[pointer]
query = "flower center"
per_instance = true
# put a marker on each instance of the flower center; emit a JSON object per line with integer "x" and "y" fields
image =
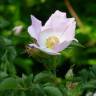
{"x": 52, "y": 41}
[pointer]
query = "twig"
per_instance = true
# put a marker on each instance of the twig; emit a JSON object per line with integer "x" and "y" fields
{"x": 73, "y": 13}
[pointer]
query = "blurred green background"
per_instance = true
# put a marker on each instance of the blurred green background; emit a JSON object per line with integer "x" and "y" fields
{"x": 17, "y": 13}
{"x": 15, "y": 61}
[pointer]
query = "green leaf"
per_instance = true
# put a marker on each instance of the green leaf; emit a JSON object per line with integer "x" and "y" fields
{"x": 92, "y": 61}
{"x": 11, "y": 53}
{"x": 52, "y": 91}
{"x": 37, "y": 90}
{"x": 9, "y": 83}
{"x": 76, "y": 43}
{"x": 27, "y": 80}
{"x": 3, "y": 74}
{"x": 43, "y": 77}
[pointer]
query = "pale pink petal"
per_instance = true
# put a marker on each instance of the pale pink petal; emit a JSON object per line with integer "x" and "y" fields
{"x": 47, "y": 33}
{"x": 46, "y": 50}
{"x": 65, "y": 32}
{"x": 35, "y": 28}
{"x": 67, "y": 37}
{"x": 62, "y": 46}
{"x": 55, "y": 19}
{"x": 70, "y": 31}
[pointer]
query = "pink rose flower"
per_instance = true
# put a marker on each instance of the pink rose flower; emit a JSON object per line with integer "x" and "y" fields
{"x": 56, "y": 35}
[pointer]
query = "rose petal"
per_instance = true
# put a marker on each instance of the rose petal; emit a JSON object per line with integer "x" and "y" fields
{"x": 47, "y": 33}
{"x": 62, "y": 46}
{"x": 46, "y": 50}
{"x": 69, "y": 33}
{"x": 55, "y": 19}
{"x": 65, "y": 32}
{"x": 35, "y": 28}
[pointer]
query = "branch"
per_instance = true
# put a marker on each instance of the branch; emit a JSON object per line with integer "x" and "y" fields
{"x": 73, "y": 13}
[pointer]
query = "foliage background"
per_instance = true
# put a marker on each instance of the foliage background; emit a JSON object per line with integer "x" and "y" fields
{"x": 16, "y": 66}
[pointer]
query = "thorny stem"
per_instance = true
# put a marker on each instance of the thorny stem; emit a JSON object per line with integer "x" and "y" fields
{"x": 73, "y": 13}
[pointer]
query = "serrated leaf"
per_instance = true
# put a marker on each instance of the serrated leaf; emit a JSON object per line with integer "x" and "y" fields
{"x": 84, "y": 74}
{"x": 27, "y": 80}
{"x": 43, "y": 77}
{"x": 37, "y": 90}
{"x": 52, "y": 91}
{"x": 8, "y": 83}
{"x": 11, "y": 53}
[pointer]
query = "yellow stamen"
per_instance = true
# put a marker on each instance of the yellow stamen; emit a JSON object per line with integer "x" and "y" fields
{"x": 52, "y": 41}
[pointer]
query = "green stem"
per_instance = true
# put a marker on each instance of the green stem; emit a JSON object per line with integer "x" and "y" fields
{"x": 54, "y": 65}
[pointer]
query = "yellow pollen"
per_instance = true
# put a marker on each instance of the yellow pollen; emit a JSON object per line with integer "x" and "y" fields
{"x": 52, "y": 41}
